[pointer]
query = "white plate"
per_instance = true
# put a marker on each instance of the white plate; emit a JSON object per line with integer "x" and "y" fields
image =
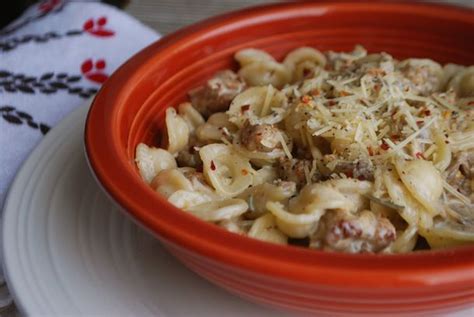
{"x": 68, "y": 251}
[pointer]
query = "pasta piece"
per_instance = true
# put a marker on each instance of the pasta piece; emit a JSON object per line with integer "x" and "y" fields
{"x": 259, "y": 68}
{"x": 308, "y": 207}
{"x": 423, "y": 181}
{"x": 425, "y": 75}
{"x": 267, "y": 174}
{"x": 412, "y": 212}
{"x": 192, "y": 117}
{"x": 186, "y": 199}
{"x": 216, "y": 128}
{"x": 258, "y": 196}
{"x": 219, "y": 210}
{"x": 228, "y": 172}
{"x": 405, "y": 242}
{"x": 198, "y": 182}
{"x": 249, "y": 105}
{"x": 234, "y": 225}
{"x": 353, "y": 190}
{"x": 302, "y": 61}
{"x": 457, "y": 228}
{"x": 169, "y": 181}
{"x": 448, "y": 234}
{"x": 265, "y": 229}
{"x": 449, "y": 71}
{"x": 294, "y": 225}
{"x": 463, "y": 83}
{"x": 151, "y": 161}
{"x": 177, "y": 132}
{"x": 251, "y": 55}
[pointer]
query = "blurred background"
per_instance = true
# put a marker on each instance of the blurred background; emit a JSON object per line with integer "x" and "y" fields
{"x": 167, "y": 16}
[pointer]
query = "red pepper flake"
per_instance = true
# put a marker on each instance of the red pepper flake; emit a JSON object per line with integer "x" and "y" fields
{"x": 315, "y": 92}
{"x": 244, "y": 172}
{"x": 447, "y": 114}
{"x": 427, "y": 112}
{"x": 419, "y": 155}
{"x": 244, "y": 108}
{"x": 470, "y": 103}
{"x": 384, "y": 146}
{"x": 361, "y": 178}
{"x": 331, "y": 103}
{"x": 377, "y": 87}
{"x": 344, "y": 93}
{"x": 349, "y": 174}
{"x": 419, "y": 122}
{"x": 306, "y": 99}
{"x": 395, "y": 137}
{"x": 369, "y": 149}
{"x": 213, "y": 166}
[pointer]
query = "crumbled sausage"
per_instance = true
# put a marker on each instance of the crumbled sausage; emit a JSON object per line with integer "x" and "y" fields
{"x": 189, "y": 157}
{"x": 360, "y": 169}
{"x": 364, "y": 232}
{"x": 217, "y": 93}
{"x": 295, "y": 170}
{"x": 262, "y": 137}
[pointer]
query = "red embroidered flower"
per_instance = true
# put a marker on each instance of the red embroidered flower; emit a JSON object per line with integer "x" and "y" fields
{"x": 94, "y": 71}
{"x": 97, "y": 27}
{"x": 48, "y": 5}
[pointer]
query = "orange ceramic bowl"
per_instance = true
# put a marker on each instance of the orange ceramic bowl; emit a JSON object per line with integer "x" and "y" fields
{"x": 130, "y": 108}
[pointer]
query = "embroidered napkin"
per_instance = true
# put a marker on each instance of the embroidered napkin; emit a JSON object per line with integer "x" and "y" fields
{"x": 52, "y": 60}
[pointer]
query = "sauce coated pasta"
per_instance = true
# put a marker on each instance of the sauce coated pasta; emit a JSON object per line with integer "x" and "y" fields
{"x": 340, "y": 151}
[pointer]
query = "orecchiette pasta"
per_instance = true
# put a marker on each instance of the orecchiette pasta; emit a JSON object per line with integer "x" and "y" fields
{"x": 264, "y": 228}
{"x": 340, "y": 151}
{"x": 151, "y": 161}
{"x": 227, "y": 171}
{"x": 423, "y": 182}
{"x": 251, "y": 55}
{"x": 463, "y": 83}
{"x": 169, "y": 181}
{"x": 219, "y": 209}
{"x": 177, "y": 132}
{"x": 258, "y": 105}
{"x": 303, "y": 61}
{"x": 217, "y": 127}
{"x": 192, "y": 117}
{"x": 258, "y": 68}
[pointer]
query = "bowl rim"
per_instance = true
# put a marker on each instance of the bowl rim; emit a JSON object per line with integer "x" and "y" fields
{"x": 306, "y": 266}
